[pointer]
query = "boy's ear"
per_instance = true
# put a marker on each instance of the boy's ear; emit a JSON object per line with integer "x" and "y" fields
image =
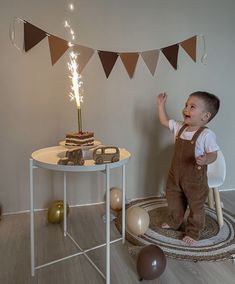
{"x": 207, "y": 115}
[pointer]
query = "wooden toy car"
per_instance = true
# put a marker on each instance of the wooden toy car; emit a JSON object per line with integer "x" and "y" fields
{"x": 73, "y": 157}
{"x": 104, "y": 154}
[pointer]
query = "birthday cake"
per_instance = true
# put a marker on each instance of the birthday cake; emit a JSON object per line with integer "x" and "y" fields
{"x": 79, "y": 139}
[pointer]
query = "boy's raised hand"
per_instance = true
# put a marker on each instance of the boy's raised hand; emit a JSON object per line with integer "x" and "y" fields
{"x": 163, "y": 117}
{"x": 161, "y": 99}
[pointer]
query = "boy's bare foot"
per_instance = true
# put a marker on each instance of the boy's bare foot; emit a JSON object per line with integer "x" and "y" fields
{"x": 188, "y": 240}
{"x": 165, "y": 226}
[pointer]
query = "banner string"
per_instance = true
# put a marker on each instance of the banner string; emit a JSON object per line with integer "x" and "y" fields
{"x": 12, "y": 28}
{"x": 12, "y": 32}
{"x": 204, "y": 55}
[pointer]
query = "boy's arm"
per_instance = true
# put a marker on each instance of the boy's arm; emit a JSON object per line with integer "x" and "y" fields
{"x": 207, "y": 158}
{"x": 163, "y": 117}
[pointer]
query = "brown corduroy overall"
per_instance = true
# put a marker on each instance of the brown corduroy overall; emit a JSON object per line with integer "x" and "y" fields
{"x": 187, "y": 185}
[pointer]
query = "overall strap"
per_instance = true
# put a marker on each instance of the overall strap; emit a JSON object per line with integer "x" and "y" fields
{"x": 181, "y": 131}
{"x": 197, "y": 133}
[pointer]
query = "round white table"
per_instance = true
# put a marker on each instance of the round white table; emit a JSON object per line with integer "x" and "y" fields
{"x": 47, "y": 158}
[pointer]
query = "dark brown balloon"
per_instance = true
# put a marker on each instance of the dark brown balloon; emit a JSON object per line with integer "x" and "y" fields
{"x": 151, "y": 262}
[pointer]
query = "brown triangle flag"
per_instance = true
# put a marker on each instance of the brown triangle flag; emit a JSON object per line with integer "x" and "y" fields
{"x": 58, "y": 46}
{"x": 32, "y": 36}
{"x": 84, "y": 55}
{"x": 108, "y": 60}
{"x": 129, "y": 59}
{"x": 171, "y": 53}
{"x": 189, "y": 45}
{"x": 150, "y": 58}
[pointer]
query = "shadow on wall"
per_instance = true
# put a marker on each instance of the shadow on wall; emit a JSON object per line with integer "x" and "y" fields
{"x": 157, "y": 167}
{"x": 154, "y": 158}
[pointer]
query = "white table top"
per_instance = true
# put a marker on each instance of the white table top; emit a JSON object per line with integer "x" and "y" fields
{"x": 48, "y": 157}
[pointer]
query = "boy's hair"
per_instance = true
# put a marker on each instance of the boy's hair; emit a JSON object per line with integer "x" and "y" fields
{"x": 211, "y": 101}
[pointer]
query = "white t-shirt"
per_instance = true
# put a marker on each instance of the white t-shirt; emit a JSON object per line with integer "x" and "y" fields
{"x": 206, "y": 141}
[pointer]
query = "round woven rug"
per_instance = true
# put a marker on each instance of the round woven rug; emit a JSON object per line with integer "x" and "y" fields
{"x": 215, "y": 243}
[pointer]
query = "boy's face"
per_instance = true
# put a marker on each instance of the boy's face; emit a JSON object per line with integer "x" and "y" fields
{"x": 195, "y": 113}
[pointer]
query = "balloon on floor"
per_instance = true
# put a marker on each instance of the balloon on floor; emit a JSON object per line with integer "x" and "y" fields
{"x": 137, "y": 220}
{"x": 151, "y": 262}
{"x": 116, "y": 198}
{"x": 55, "y": 214}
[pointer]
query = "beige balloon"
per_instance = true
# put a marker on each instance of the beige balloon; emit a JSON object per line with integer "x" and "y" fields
{"x": 137, "y": 220}
{"x": 116, "y": 198}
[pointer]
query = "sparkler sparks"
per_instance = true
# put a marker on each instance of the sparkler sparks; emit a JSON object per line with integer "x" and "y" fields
{"x": 76, "y": 81}
{"x": 75, "y": 77}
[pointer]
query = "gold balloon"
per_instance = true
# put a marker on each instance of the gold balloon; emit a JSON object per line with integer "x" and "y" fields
{"x": 55, "y": 213}
{"x": 137, "y": 220}
{"x": 116, "y": 198}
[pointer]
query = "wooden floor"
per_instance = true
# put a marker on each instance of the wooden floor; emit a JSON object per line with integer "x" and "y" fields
{"x": 86, "y": 224}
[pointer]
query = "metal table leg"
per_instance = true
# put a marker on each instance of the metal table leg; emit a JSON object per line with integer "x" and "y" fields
{"x": 32, "y": 241}
{"x": 123, "y": 203}
{"x": 107, "y": 225}
{"x": 65, "y": 205}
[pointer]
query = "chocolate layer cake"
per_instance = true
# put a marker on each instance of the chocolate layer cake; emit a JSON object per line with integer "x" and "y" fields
{"x": 79, "y": 139}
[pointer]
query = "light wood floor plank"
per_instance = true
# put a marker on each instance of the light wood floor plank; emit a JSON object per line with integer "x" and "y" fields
{"x": 86, "y": 225}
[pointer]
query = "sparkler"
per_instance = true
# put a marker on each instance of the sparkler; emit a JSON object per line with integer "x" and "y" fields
{"x": 75, "y": 93}
{"x": 76, "y": 78}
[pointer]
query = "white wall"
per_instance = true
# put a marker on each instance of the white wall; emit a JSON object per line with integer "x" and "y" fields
{"x": 35, "y": 111}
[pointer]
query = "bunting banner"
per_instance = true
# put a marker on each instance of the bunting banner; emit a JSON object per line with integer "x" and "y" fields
{"x": 85, "y": 54}
{"x": 32, "y": 36}
{"x": 189, "y": 45}
{"x": 151, "y": 59}
{"x": 108, "y": 59}
{"x": 58, "y": 47}
{"x": 171, "y": 53}
{"x": 129, "y": 59}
